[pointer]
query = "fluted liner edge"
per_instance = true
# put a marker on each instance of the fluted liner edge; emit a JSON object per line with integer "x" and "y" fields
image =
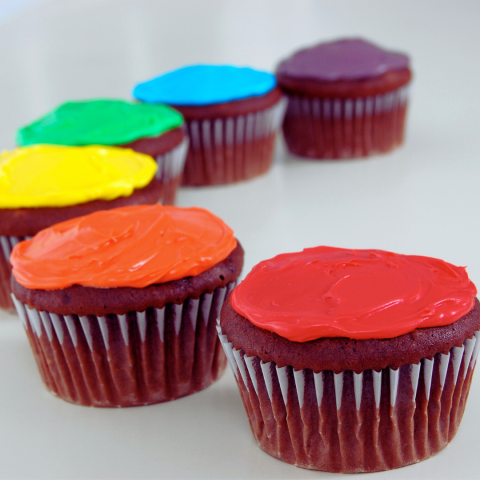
{"x": 127, "y": 360}
{"x": 355, "y": 422}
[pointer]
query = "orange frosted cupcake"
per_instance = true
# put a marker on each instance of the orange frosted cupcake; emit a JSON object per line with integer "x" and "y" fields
{"x": 120, "y": 306}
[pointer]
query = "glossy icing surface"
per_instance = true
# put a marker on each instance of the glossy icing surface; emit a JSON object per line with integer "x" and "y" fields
{"x": 349, "y": 59}
{"x": 133, "y": 246}
{"x": 359, "y": 294}
{"x": 198, "y": 85}
{"x": 58, "y": 176}
{"x": 99, "y": 122}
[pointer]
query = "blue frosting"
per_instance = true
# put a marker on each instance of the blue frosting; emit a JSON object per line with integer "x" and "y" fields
{"x": 198, "y": 85}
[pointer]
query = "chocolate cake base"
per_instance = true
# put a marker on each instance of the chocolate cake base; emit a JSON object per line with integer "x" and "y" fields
{"x": 350, "y": 419}
{"x": 139, "y": 358}
{"x": 26, "y": 222}
{"x": 389, "y": 81}
{"x": 155, "y": 146}
{"x": 335, "y": 128}
{"x": 123, "y": 347}
{"x": 233, "y": 141}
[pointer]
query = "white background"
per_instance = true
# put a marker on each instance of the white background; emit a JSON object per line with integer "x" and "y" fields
{"x": 421, "y": 199}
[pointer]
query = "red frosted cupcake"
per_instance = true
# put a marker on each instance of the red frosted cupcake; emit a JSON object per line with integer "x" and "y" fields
{"x": 232, "y": 116}
{"x": 346, "y": 99}
{"x": 353, "y": 360}
{"x": 46, "y": 184}
{"x": 120, "y": 306}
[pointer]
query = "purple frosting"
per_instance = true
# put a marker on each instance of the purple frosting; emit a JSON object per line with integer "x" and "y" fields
{"x": 351, "y": 59}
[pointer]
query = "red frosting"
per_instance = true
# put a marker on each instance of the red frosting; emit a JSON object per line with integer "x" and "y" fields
{"x": 359, "y": 294}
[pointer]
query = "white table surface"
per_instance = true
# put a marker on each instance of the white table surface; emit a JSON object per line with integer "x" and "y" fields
{"x": 421, "y": 199}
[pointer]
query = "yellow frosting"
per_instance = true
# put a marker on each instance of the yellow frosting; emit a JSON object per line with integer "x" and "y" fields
{"x": 58, "y": 176}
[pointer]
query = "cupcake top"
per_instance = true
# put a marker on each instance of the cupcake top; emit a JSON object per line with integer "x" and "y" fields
{"x": 198, "y": 85}
{"x": 359, "y": 294}
{"x": 134, "y": 246}
{"x": 348, "y": 59}
{"x": 57, "y": 176}
{"x": 99, "y": 122}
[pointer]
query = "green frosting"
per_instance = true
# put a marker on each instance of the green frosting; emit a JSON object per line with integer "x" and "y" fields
{"x": 99, "y": 122}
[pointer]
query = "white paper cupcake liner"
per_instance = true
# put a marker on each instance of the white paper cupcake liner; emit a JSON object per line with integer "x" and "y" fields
{"x": 6, "y": 246}
{"x": 170, "y": 171}
{"x": 138, "y": 358}
{"x": 355, "y": 422}
{"x": 170, "y": 164}
{"x": 225, "y": 150}
{"x": 319, "y": 127}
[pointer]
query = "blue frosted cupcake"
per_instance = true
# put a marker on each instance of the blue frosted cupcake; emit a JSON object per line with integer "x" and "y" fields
{"x": 232, "y": 116}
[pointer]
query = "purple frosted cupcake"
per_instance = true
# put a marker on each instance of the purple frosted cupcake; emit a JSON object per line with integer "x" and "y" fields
{"x": 347, "y": 99}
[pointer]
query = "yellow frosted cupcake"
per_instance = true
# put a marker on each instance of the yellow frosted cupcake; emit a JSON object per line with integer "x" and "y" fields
{"x": 42, "y": 185}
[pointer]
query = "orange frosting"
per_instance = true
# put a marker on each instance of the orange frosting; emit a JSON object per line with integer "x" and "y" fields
{"x": 133, "y": 246}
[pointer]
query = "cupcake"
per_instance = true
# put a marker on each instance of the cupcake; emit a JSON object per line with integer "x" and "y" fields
{"x": 156, "y": 130}
{"x": 352, "y": 360}
{"x": 346, "y": 99}
{"x": 232, "y": 117}
{"x": 120, "y": 306}
{"x": 42, "y": 185}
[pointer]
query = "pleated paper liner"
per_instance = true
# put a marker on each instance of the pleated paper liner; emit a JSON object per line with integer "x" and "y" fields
{"x": 139, "y": 358}
{"x": 6, "y": 246}
{"x": 334, "y": 128}
{"x": 231, "y": 149}
{"x": 349, "y": 422}
{"x": 170, "y": 170}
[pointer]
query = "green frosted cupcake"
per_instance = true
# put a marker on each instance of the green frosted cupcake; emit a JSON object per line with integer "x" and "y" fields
{"x": 155, "y": 130}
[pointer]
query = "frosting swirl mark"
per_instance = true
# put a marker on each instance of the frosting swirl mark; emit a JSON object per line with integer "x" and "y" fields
{"x": 133, "y": 246}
